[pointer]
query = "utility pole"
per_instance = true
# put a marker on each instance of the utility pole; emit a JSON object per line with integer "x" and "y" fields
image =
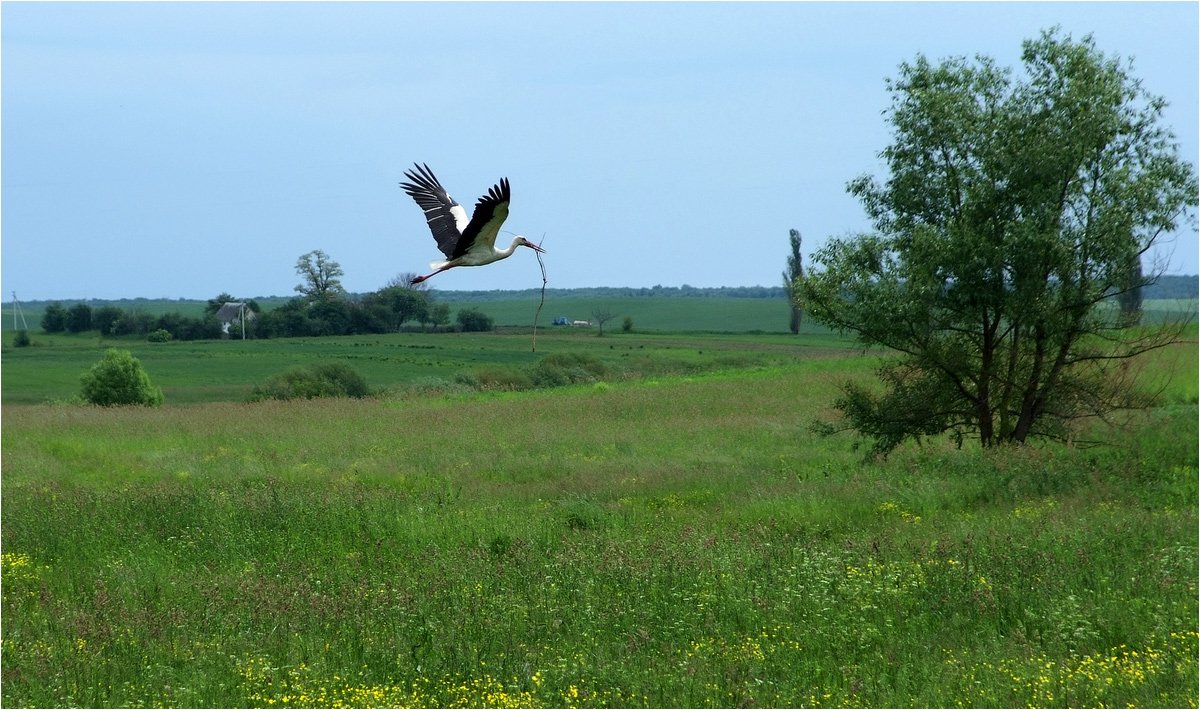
{"x": 17, "y": 311}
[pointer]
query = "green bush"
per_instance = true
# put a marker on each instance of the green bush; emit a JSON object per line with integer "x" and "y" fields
{"x": 104, "y": 318}
{"x": 21, "y": 339}
{"x": 567, "y": 368}
{"x": 495, "y": 378}
{"x": 332, "y": 379}
{"x": 54, "y": 319}
{"x": 159, "y": 336}
{"x": 118, "y": 379}
{"x": 554, "y": 370}
{"x": 474, "y": 320}
{"x": 79, "y": 318}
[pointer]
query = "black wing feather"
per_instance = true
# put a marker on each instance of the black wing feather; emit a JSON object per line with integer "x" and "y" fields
{"x": 497, "y": 196}
{"x": 433, "y": 199}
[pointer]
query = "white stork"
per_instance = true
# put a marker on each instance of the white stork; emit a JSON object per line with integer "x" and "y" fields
{"x": 464, "y": 242}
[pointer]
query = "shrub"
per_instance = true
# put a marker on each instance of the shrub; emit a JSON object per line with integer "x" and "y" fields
{"x": 183, "y": 327}
{"x": 567, "y": 368}
{"x": 133, "y": 322}
{"x": 79, "y": 318}
{"x": 159, "y": 336}
{"x": 474, "y": 320}
{"x": 21, "y": 339}
{"x": 495, "y": 378}
{"x": 104, "y": 318}
{"x": 333, "y": 379}
{"x": 118, "y": 379}
{"x": 54, "y": 319}
{"x": 627, "y": 324}
{"x": 341, "y": 374}
{"x": 554, "y": 370}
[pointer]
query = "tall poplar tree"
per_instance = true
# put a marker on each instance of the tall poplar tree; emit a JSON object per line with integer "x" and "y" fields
{"x": 791, "y": 275}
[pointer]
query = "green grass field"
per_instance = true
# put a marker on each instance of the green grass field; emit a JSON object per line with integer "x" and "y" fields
{"x": 210, "y": 371}
{"x": 679, "y": 313}
{"x": 674, "y": 535}
{"x": 659, "y": 313}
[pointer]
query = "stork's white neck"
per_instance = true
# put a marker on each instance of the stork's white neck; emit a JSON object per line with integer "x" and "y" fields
{"x": 516, "y": 242}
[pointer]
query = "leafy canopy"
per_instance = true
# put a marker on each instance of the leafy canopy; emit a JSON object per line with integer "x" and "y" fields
{"x": 321, "y": 276}
{"x": 1015, "y": 212}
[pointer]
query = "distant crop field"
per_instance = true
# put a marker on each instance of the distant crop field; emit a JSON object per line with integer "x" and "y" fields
{"x": 665, "y": 313}
{"x": 1161, "y": 310}
{"x": 675, "y": 538}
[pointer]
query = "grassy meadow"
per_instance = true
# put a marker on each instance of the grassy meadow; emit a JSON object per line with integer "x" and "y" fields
{"x": 671, "y": 534}
{"x": 192, "y": 372}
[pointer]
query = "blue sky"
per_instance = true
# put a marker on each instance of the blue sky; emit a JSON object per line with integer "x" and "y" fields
{"x": 186, "y": 149}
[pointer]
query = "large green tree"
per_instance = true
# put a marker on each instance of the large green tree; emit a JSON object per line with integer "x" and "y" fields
{"x": 1013, "y": 211}
{"x": 400, "y": 303}
{"x": 322, "y": 276}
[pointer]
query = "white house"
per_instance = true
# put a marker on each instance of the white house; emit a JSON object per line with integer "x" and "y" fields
{"x": 231, "y": 312}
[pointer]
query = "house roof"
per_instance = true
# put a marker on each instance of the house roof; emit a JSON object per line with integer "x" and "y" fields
{"x": 229, "y": 312}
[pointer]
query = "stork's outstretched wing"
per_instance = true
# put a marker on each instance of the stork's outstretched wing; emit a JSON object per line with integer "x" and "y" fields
{"x": 447, "y": 219}
{"x": 490, "y": 212}
{"x": 455, "y": 234}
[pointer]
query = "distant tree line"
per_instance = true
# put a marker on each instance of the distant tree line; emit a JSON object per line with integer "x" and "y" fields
{"x": 327, "y": 311}
{"x": 1166, "y": 287}
{"x": 322, "y": 308}
{"x": 111, "y": 320}
{"x": 383, "y": 311}
{"x": 1183, "y": 287}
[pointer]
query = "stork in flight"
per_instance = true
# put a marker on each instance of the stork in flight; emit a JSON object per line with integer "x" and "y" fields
{"x": 464, "y": 242}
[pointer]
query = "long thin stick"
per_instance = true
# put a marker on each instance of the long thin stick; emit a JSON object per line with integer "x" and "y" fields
{"x": 539, "y": 308}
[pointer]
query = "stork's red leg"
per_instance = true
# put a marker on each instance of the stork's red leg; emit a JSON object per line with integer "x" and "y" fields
{"x": 419, "y": 279}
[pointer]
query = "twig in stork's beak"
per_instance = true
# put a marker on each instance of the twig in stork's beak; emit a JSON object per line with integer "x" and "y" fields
{"x": 539, "y": 250}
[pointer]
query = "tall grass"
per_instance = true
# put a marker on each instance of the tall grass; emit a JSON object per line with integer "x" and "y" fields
{"x": 683, "y": 542}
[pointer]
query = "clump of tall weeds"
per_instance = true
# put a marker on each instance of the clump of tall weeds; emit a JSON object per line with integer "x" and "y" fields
{"x": 332, "y": 379}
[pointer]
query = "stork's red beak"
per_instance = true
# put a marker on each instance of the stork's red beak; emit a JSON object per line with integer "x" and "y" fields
{"x": 535, "y": 247}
